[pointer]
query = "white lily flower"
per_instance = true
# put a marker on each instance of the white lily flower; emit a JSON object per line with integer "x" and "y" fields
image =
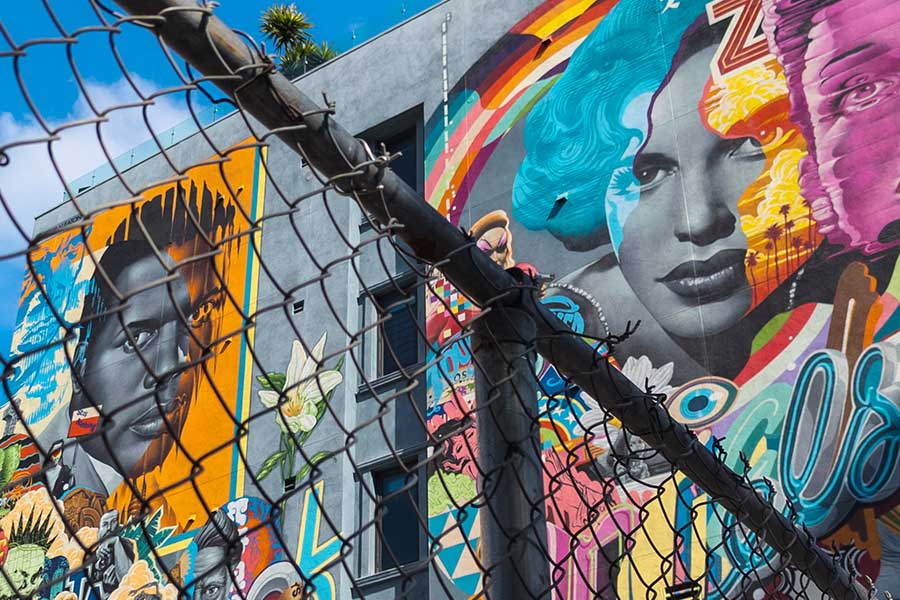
{"x": 642, "y": 373}
{"x": 303, "y": 390}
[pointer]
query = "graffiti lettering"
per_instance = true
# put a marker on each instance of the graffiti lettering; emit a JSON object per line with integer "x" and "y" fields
{"x": 744, "y": 42}
{"x": 835, "y": 453}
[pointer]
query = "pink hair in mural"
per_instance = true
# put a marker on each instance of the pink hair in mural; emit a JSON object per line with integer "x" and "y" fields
{"x": 842, "y": 63}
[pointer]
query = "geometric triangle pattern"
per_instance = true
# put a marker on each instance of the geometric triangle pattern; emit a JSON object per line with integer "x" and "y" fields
{"x": 456, "y": 557}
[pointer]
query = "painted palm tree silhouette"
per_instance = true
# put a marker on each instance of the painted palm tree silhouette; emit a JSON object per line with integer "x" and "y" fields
{"x": 789, "y": 226}
{"x": 752, "y": 260}
{"x": 797, "y": 243}
{"x": 773, "y": 234}
{"x": 784, "y": 211}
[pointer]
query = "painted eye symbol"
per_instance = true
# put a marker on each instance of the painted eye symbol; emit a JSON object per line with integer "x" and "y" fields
{"x": 702, "y": 401}
{"x": 485, "y": 246}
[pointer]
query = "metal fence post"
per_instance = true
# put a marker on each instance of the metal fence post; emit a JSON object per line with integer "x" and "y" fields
{"x": 513, "y": 524}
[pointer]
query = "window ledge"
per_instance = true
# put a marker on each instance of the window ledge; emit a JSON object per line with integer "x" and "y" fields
{"x": 378, "y": 578}
{"x": 381, "y": 577}
{"x": 367, "y": 390}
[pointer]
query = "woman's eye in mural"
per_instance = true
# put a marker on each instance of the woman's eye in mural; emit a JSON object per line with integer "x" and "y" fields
{"x": 141, "y": 337}
{"x": 651, "y": 170}
{"x": 749, "y": 148}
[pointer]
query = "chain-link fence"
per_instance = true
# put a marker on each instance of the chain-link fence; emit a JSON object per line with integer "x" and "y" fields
{"x": 217, "y": 382}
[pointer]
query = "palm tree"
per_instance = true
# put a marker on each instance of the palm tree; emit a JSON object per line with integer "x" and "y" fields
{"x": 773, "y": 234}
{"x": 289, "y": 31}
{"x": 768, "y": 256}
{"x": 797, "y": 243}
{"x": 788, "y": 229}
{"x": 285, "y": 26}
{"x": 322, "y": 52}
{"x": 309, "y": 56}
{"x": 784, "y": 211}
{"x": 751, "y": 265}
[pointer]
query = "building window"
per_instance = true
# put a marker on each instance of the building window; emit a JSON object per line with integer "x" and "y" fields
{"x": 401, "y": 133}
{"x": 398, "y": 343}
{"x": 405, "y": 166}
{"x": 397, "y": 507}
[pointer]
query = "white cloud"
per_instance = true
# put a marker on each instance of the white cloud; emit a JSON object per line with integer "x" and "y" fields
{"x": 31, "y": 185}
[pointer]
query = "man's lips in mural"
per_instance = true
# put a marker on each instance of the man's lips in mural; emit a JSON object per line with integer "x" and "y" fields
{"x": 151, "y": 423}
{"x": 712, "y": 279}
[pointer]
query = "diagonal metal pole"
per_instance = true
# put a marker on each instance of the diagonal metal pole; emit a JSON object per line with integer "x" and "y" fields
{"x": 250, "y": 80}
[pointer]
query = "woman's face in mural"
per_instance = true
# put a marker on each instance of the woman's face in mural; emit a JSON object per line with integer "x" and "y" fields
{"x": 682, "y": 248}
{"x": 115, "y": 377}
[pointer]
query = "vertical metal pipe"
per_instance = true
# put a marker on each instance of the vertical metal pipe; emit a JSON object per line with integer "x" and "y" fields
{"x": 513, "y": 525}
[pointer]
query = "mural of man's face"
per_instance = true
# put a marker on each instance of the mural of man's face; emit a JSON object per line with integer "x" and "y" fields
{"x": 133, "y": 401}
{"x": 852, "y": 78}
{"x": 214, "y": 582}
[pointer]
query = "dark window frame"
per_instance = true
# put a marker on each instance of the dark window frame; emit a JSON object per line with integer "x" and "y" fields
{"x": 409, "y": 492}
{"x": 409, "y": 283}
{"x": 399, "y": 128}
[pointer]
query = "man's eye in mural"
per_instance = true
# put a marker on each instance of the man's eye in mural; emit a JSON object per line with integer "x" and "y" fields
{"x": 862, "y": 92}
{"x": 140, "y": 337}
{"x": 206, "y": 307}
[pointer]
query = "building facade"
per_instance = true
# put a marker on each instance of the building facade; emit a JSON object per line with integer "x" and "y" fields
{"x": 724, "y": 171}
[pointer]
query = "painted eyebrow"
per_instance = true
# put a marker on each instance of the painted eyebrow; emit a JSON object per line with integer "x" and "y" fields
{"x": 844, "y": 55}
{"x": 653, "y": 157}
{"x": 143, "y": 324}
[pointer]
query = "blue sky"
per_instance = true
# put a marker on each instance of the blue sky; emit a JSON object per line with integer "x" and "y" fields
{"x": 29, "y": 184}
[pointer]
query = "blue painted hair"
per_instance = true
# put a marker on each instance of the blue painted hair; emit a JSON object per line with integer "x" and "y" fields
{"x": 580, "y": 139}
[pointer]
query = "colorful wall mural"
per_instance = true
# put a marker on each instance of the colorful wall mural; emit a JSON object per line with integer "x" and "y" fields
{"x": 727, "y": 172}
{"x": 122, "y": 445}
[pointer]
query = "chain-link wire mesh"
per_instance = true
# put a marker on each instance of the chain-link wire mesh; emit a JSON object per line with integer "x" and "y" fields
{"x": 217, "y": 383}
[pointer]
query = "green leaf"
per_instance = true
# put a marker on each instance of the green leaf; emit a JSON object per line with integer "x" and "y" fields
{"x": 300, "y": 438}
{"x": 313, "y": 461}
{"x": 269, "y": 465}
{"x": 272, "y": 381}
